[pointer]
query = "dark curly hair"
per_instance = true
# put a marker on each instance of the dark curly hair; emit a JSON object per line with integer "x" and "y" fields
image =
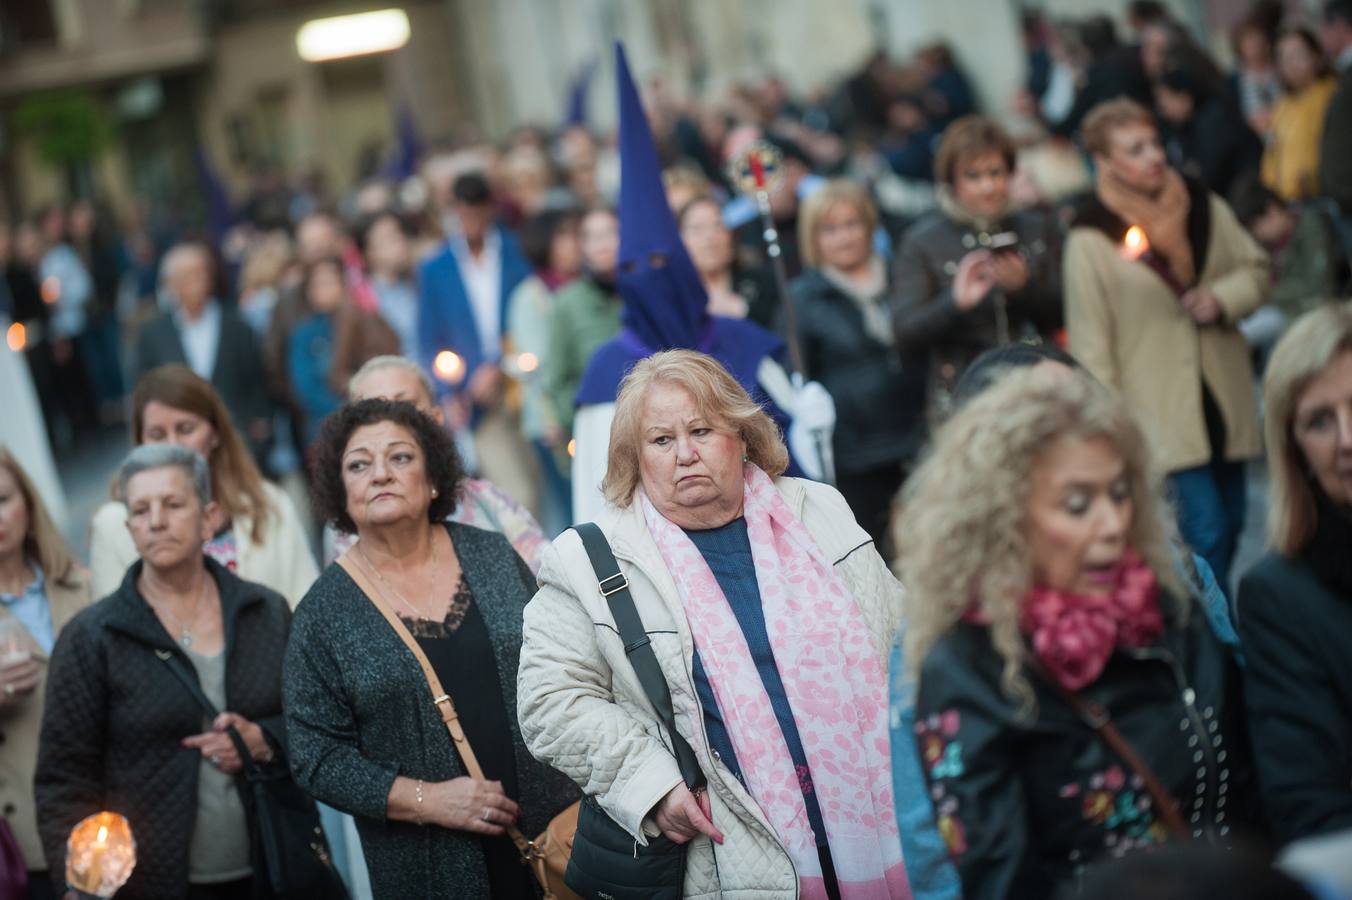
{"x": 445, "y": 471}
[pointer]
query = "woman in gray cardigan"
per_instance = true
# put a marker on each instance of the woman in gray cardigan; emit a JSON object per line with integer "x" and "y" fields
{"x": 365, "y": 735}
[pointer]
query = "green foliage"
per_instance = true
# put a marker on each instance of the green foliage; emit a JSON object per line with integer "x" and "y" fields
{"x": 69, "y": 126}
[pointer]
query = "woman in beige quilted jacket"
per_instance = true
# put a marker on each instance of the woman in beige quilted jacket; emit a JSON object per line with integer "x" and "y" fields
{"x": 771, "y": 614}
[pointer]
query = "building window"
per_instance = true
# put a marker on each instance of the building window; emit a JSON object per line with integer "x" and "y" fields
{"x": 25, "y": 22}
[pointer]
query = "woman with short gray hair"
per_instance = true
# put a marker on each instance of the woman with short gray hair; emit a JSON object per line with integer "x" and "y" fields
{"x": 120, "y": 730}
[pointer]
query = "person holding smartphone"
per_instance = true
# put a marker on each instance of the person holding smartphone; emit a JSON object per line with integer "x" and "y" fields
{"x": 975, "y": 273}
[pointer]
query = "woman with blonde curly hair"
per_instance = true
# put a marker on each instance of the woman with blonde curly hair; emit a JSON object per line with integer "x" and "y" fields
{"x": 1069, "y": 702}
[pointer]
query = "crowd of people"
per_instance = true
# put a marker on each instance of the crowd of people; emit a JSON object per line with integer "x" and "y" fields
{"x": 928, "y": 511}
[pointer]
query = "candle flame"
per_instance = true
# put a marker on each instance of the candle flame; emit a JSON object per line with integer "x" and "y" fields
{"x": 572, "y": 446}
{"x": 449, "y": 366}
{"x": 1135, "y": 244}
{"x": 100, "y": 855}
{"x": 16, "y": 337}
{"x": 51, "y": 289}
{"x": 527, "y": 362}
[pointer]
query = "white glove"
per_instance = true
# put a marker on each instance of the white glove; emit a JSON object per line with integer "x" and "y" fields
{"x": 813, "y": 421}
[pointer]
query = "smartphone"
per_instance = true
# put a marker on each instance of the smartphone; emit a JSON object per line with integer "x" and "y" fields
{"x": 1005, "y": 242}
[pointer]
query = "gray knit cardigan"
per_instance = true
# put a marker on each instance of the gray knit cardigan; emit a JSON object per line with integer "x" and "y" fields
{"x": 359, "y": 712}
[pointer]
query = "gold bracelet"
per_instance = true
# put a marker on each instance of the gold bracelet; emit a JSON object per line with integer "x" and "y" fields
{"x": 418, "y": 795}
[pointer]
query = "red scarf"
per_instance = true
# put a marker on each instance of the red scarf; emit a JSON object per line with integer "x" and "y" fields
{"x": 1073, "y": 635}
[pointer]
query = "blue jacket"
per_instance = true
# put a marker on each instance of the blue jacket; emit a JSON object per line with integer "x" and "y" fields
{"x": 928, "y": 865}
{"x": 309, "y": 358}
{"x": 445, "y": 319}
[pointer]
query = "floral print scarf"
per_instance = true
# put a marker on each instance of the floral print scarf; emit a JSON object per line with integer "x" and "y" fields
{"x": 835, "y": 683}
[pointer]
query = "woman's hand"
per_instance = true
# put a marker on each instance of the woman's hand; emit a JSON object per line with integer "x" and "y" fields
{"x": 220, "y": 751}
{"x": 553, "y": 435}
{"x": 974, "y": 280}
{"x": 469, "y": 804}
{"x": 1202, "y": 305}
{"x": 683, "y": 816}
{"x": 1011, "y": 272}
{"x": 485, "y": 385}
{"x": 17, "y": 681}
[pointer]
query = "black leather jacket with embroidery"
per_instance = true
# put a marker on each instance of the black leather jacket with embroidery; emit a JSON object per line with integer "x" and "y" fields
{"x": 1025, "y": 802}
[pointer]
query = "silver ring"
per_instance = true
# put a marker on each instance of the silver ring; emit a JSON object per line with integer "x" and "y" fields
{"x": 9, "y": 690}
{"x": 487, "y": 816}
{"x": 216, "y": 761}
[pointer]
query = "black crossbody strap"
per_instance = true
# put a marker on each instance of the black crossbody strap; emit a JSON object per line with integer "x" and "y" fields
{"x": 180, "y": 671}
{"x": 637, "y": 646}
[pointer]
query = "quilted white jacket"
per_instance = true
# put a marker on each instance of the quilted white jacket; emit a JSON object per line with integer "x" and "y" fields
{"x": 583, "y": 711}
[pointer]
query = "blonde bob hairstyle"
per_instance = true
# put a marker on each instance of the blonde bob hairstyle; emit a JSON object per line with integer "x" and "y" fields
{"x": 43, "y": 544}
{"x": 718, "y": 397}
{"x": 963, "y": 527}
{"x": 835, "y": 192}
{"x": 1309, "y": 346}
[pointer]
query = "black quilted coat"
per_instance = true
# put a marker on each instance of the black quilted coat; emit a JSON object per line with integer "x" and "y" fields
{"x": 115, "y": 715}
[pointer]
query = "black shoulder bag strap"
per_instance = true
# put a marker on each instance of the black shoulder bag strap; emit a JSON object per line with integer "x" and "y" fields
{"x": 637, "y": 646}
{"x": 180, "y": 671}
{"x": 288, "y": 846}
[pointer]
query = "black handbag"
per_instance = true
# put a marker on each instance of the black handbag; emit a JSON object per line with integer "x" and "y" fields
{"x": 607, "y": 863}
{"x": 289, "y": 852}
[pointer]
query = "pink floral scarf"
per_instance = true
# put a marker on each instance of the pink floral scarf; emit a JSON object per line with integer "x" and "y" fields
{"x": 835, "y": 682}
{"x": 1073, "y": 636}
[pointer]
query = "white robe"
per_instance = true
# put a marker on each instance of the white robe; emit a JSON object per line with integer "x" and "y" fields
{"x": 24, "y": 432}
{"x": 591, "y": 431}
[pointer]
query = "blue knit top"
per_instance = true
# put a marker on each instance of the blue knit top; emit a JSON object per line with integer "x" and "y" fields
{"x": 727, "y": 551}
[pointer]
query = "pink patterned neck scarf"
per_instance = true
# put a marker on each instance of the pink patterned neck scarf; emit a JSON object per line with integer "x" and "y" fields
{"x": 835, "y": 682}
{"x": 1074, "y": 635}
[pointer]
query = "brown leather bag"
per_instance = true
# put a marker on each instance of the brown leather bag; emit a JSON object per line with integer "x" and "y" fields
{"x": 547, "y": 854}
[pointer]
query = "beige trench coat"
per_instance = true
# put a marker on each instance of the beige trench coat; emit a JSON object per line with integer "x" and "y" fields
{"x": 1127, "y": 326}
{"x": 21, "y": 724}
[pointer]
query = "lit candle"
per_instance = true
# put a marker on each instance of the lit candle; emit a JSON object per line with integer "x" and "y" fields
{"x": 51, "y": 289}
{"x": 1135, "y": 244}
{"x": 100, "y": 855}
{"x": 1136, "y": 248}
{"x": 572, "y": 446}
{"x": 527, "y": 363}
{"x": 449, "y": 367}
{"x": 16, "y": 337}
{"x": 100, "y": 848}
